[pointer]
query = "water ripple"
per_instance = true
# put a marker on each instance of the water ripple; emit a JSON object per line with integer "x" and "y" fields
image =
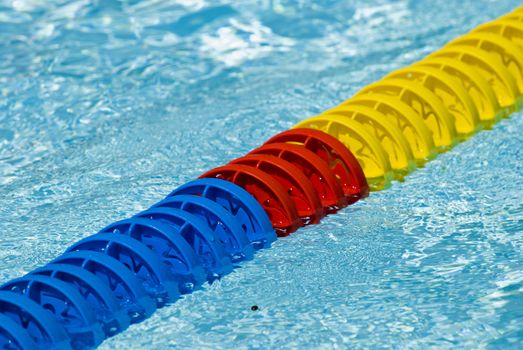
{"x": 107, "y": 105}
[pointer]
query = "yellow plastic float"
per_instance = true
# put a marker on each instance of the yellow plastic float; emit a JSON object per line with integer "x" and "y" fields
{"x": 503, "y": 50}
{"x": 424, "y": 102}
{"x": 364, "y": 145}
{"x": 410, "y": 124}
{"x": 396, "y": 124}
{"x": 516, "y": 17}
{"x": 386, "y": 132}
{"x": 453, "y": 95}
{"x": 474, "y": 83}
{"x": 495, "y": 73}
{"x": 509, "y": 29}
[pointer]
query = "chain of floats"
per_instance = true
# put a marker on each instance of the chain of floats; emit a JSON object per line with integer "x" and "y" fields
{"x": 121, "y": 275}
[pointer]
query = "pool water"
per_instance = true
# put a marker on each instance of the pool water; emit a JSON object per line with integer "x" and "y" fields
{"x": 108, "y": 105}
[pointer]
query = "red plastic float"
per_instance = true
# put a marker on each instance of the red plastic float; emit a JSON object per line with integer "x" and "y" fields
{"x": 316, "y": 169}
{"x": 268, "y": 192}
{"x": 339, "y": 158}
{"x": 298, "y": 186}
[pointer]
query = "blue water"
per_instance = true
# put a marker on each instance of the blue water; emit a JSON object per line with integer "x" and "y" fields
{"x": 105, "y": 106}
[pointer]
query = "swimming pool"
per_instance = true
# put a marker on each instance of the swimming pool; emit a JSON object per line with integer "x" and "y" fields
{"x": 109, "y": 106}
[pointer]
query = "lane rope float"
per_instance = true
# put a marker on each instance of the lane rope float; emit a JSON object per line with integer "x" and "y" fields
{"x": 204, "y": 229}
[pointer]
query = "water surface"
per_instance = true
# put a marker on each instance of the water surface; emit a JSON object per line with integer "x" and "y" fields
{"x": 108, "y": 105}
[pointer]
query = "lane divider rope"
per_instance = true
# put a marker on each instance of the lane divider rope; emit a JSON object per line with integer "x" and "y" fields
{"x": 202, "y": 230}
